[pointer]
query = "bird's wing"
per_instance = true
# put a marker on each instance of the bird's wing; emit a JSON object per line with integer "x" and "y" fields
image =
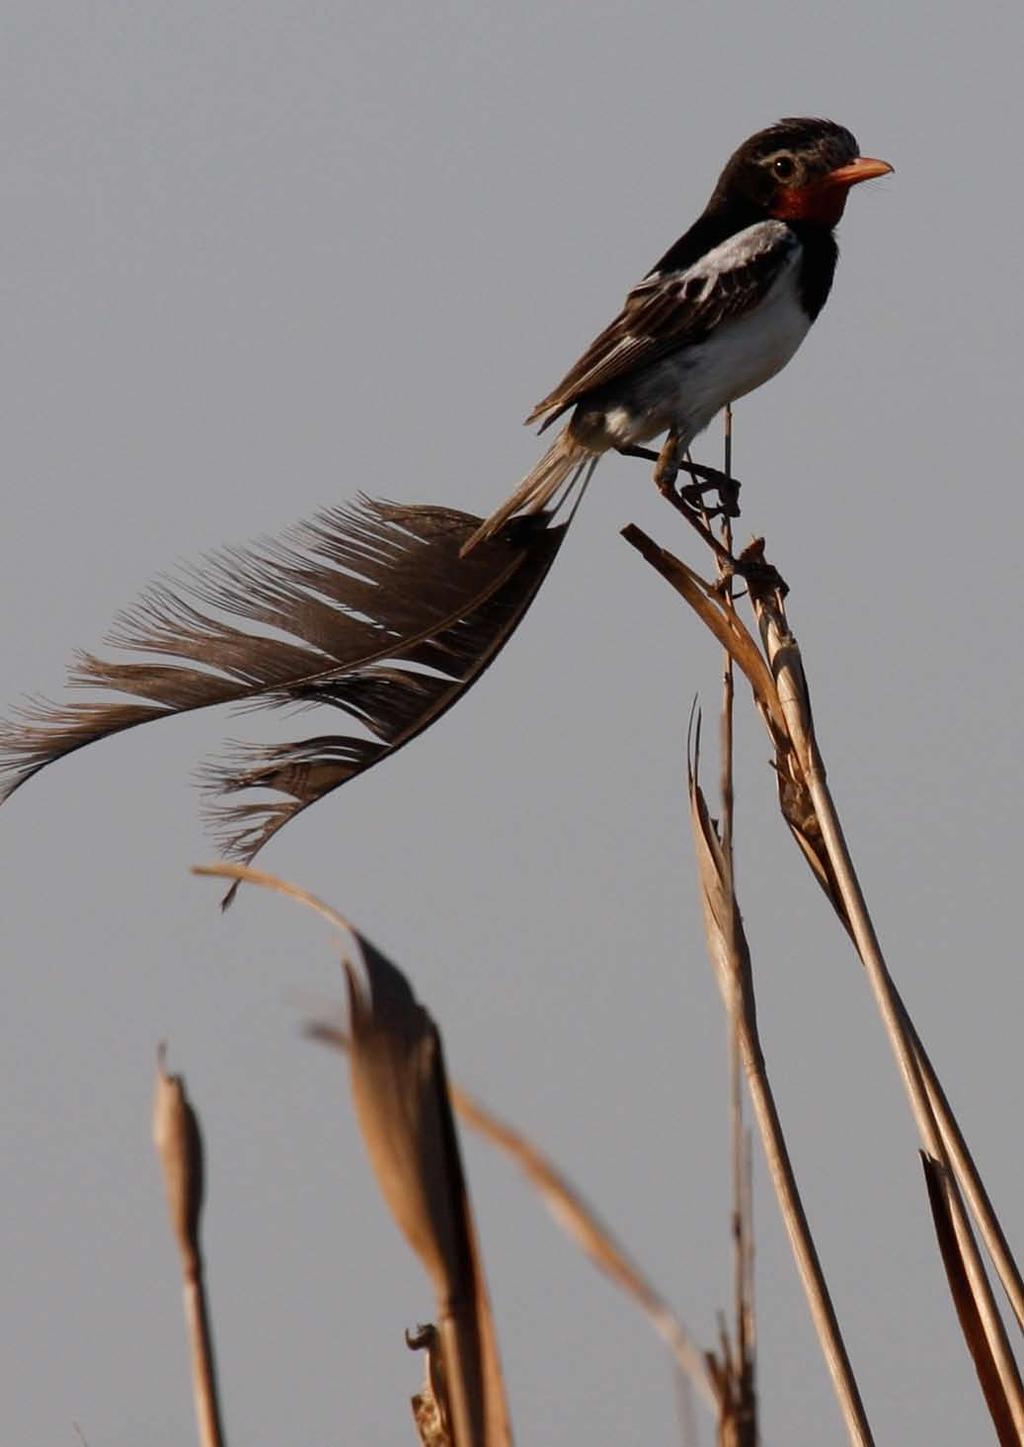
{"x": 673, "y": 309}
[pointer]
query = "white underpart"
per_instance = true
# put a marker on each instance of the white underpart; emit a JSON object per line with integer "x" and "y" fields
{"x": 686, "y": 389}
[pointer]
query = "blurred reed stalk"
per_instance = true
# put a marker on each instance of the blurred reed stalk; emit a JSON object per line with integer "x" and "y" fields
{"x": 403, "y": 1108}
{"x": 179, "y": 1146}
{"x": 563, "y": 1200}
{"x": 571, "y": 1212}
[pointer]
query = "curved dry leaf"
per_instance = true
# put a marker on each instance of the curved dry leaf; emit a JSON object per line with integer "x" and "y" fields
{"x": 400, "y": 1090}
{"x": 570, "y": 1210}
{"x": 724, "y": 622}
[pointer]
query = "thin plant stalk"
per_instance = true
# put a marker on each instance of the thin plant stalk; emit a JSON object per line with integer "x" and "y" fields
{"x": 784, "y": 655}
{"x": 969, "y": 1180}
{"x": 966, "y": 1307}
{"x": 742, "y": 1223}
{"x": 197, "y": 1319}
{"x": 729, "y": 630}
{"x": 730, "y": 955}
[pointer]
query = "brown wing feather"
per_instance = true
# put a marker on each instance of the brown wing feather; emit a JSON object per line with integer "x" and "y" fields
{"x": 662, "y": 313}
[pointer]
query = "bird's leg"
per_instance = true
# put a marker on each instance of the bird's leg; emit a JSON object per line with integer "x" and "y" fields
{"x": 629, "y": 450}
{"x": 705, "y": 479}
{"x": 687, "y": 500}
{"x": 666, "y": 469}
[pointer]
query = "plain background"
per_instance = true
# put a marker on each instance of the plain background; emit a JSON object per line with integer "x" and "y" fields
{"x": 257, "y": 257}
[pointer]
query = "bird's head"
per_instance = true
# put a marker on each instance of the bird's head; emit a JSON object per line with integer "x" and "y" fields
{"x": 800, "y": 169}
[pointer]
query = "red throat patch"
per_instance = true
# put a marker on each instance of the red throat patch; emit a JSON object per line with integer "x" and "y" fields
{"x": 820, "y": 202}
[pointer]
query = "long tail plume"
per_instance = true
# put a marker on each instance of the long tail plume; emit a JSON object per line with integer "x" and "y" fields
{"x": 563, "y": 465}
{"x": 367, "y": 608}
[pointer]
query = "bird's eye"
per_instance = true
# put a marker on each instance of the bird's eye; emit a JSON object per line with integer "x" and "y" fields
{"x": 783, "y": 167}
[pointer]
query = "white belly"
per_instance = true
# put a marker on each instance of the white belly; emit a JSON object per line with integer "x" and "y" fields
{"x": 686, "y": 391}
{"x": 742, "y": 354}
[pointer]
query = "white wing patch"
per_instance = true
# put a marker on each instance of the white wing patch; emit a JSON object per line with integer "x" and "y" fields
{"x": 686, "y": 388}
{"x": 739, "y": 251}
{"x": 670, "y": 314}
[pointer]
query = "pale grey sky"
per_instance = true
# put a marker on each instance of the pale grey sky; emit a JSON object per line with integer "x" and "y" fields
{"x": 258, "y": 257}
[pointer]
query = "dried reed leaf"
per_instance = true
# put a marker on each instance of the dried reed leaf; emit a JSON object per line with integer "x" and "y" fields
{"x": 372, "y": 611}
{"x": 572, "y": 1213}
{"x": 723, "y": 621}
{"x": 968, "y": 1313}
{"x": 244, "y": 873}
{"x": 400, "y": 1091}
{"x": 564, "y": 1201}
{"x": 710, "y": 605}
{"x": 581, "y": 1223}
{"x": 726, "y": 940}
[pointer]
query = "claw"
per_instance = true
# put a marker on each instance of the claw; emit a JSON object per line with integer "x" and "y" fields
{"x": 667, "y": 465}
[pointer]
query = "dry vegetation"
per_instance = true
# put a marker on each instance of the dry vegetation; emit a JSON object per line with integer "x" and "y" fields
{"x": 360, "y": 601}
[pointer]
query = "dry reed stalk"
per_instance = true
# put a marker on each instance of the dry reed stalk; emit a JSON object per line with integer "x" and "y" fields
{"x": 970, "y": 1181}
{"x": 798, "y": 811}
{"x": 730, "y": 958}
{"x": 781, "y": 698}
{"x": 563, "y": 1200}
{"x": 179, "y": 1146}
{"x": 402, "y": 1102}
{"x": 966, "y": 1307}
{"x": 783, "y": 654}
{"x": 734, "y": 1370}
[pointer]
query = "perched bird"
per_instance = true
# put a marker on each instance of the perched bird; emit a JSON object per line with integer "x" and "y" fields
{"x": 723, "y": 310}
{"x": 374, "y": 609}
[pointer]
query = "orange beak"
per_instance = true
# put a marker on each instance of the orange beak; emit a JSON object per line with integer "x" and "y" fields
{"x": 864, "y": 168}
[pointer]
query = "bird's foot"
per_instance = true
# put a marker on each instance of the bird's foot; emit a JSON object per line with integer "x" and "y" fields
{"x": 709, "y": 479}
{"x": 667, "y": 465}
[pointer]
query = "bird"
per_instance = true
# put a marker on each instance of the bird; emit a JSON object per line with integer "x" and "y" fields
{"x": 722, "y": 312}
